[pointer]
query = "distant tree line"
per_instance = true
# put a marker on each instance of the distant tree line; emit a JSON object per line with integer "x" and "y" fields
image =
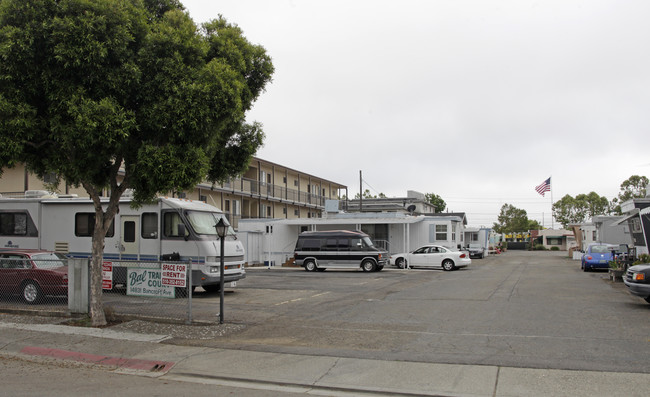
{"x": 576, "y": 209}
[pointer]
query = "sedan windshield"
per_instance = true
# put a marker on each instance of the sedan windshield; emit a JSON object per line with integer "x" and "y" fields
{"x": 204, "y": 222}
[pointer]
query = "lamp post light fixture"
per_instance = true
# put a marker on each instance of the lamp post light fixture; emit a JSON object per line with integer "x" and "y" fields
{"x": 222, "y": 229}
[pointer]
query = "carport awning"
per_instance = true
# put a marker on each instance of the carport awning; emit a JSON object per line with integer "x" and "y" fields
{"x": 634, "y": 213}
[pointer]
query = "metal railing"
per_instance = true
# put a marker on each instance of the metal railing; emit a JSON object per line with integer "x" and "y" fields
{"x": 268, "y": 190}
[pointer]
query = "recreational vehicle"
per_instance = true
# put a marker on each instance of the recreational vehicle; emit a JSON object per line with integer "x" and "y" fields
{"x": 170, "y": 229}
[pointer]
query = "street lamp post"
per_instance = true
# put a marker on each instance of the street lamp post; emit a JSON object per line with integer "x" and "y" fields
{"x": 222, "y": 229}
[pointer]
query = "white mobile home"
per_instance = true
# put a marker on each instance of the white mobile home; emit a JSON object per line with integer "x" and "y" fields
{"x": 170, "y": 229}
{"x": 272, "y": 241}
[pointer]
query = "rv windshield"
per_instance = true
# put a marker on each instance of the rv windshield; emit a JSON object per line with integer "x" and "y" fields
{"x": 204, "y": 222}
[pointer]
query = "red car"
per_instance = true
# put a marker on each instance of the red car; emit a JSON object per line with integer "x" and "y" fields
{"x": 33, "y": 274}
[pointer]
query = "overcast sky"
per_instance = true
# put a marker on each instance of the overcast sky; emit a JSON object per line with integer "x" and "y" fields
{"x": 476, "y": 101}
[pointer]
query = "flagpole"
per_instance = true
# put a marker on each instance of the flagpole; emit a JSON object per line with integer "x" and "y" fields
{"x": 552, "y": 220}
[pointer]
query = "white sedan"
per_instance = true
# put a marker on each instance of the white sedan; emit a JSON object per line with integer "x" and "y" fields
{"x": 432, "y": 256}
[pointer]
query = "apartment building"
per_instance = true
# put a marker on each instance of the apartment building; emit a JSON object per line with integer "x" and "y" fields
{"x": 265, "y": 190}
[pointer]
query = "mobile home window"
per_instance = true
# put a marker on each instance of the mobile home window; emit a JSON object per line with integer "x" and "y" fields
{"x": 441, "y": 232}
{"x": 84, "y": 224}
{"x": 13, "y": 224}
{"x": 149, "y": 225}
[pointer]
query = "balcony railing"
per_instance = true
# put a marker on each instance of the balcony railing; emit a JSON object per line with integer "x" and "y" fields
{"x": 271, "y": 191}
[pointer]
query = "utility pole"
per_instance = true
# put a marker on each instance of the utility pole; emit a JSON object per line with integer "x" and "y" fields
{"x": 360, "y": 192}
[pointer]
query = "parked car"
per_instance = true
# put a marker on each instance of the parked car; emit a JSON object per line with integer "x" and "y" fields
{"x": 33, "y": 274}
{"x": 597, "y": 256}
{"x": 476, "y": 251}
{"x": 432, "y": 256}
{"x": 637, "y": 279}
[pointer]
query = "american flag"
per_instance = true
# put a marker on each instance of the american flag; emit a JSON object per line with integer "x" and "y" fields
{"x": 544, "y": 187}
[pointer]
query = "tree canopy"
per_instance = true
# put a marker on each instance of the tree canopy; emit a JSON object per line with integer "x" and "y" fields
{"x": 436, "y": 201}
{"x": 569, "y": 210}
{"x": 512, "y": 219}
{"x": 117, "y": 94}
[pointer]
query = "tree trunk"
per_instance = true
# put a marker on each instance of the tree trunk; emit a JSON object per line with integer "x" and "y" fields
{"x": 97, "y": 316}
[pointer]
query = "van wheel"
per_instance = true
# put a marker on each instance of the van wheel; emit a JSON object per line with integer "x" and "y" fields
{"x": 368, "y": 265}
{"x": 448, "y": 265}
{"x": 310, "y": 265}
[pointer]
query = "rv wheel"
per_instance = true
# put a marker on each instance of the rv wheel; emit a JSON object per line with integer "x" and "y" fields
{"x": 310, "y": 265}
{"x": 368, "y": 265}
{"x": 212, "y": 288}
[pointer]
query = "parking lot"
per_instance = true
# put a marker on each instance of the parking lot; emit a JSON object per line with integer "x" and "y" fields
{"x": 520, "y": 309}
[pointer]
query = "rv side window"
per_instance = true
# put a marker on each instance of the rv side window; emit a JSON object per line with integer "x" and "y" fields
{"x": 13, "y": 224}
{"x": 344, "y": 244}
{"x": 171, "y": 220}
{"x": 84, "y": 224}
{"x": 149, "y": 225}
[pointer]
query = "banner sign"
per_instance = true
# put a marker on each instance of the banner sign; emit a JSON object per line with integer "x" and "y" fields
{"x": 174, "y": 274}
{"x": 147, "y": 282}
{"x": 107, "y": 275}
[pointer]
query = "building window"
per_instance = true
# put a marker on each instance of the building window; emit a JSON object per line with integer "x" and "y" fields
{"x": 439, "y": 232}
{"x": 284, "y": 210}
{"x": 453, "y": 232}
{"x": 636, "y": 225}
{"x": 474, "y": 237}
{"x": 594, "y": 236}
{"x": 296, "y": 212}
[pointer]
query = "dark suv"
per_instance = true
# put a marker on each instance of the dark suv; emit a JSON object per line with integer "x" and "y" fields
{"x": 637, "y": 279}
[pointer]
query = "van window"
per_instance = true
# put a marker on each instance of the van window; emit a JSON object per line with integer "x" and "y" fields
{"x": 344, "y": 244}
{"x": 84, "y": 225}
{"x": 311, "y": 244}
{"x": 331, "y": 244}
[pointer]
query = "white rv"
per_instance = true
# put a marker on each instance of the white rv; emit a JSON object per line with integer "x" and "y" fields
{"x": 171, "y": 229}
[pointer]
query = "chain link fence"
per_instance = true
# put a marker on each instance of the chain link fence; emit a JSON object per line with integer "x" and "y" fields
{"x": 155, "y": 291}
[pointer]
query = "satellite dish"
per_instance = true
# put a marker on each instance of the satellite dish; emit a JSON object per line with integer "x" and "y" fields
{"x": 411, "y": 209}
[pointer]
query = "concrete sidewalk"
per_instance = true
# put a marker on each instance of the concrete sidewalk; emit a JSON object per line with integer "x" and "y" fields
{"x": 148, "y": 355}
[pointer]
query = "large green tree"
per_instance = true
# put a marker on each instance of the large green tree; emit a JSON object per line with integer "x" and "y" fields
{"x": 577, "y": 209}
{"x": 512, "y": 219}
{"x": 117, "y": 94}
{"x": 436, "y": 201}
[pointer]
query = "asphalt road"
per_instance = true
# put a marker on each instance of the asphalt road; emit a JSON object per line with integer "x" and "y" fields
{"x": 519, "y": 309}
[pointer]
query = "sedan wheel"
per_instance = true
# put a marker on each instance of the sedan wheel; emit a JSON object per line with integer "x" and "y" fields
{"x": 32, "y": 292}
{"x": 401, "y": 263}
{"x": 448, "y": 265}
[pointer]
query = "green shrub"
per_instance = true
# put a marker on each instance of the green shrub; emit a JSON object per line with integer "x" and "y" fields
{"x": 643, "y": 258}
{"x": 539, "y": 247}
{"x": 555, "y": 248}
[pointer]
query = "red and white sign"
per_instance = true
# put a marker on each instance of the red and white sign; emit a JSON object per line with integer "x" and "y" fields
{"x": 107, "y": 275}
{"x": 174, "y": 274}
